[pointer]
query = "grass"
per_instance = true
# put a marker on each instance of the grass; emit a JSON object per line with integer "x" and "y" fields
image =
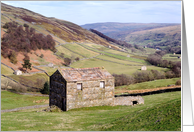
{"x": 171, "y": 57}
{"x": 136, "y": 59}
{"x": 149, "y": 85}
{"x": 5, "y": 70}
{"x": 117, "y": 60}
{"x": 165, "y": 117}
{"x": 67, "y": 53}
{"x": 163, "y": 107}
{"x": 79, "y": 49}
{"x": 49, "y": 70}
{"x": 30, "y": 80}
{"x": 112, "y": 67}
{"x": 11, "y": 100}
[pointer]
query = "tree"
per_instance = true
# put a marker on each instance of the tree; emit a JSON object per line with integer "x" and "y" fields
{"x": 27, "y": 65}
{"x": 45, "y": 90}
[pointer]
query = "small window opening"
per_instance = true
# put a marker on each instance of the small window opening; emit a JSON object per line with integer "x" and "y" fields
{"x": 102, "y": 84}
{"x": 135, "y": 102}
{"x": 79, "y": 86}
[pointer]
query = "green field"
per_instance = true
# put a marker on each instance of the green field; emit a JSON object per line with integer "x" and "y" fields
{"x": 119, "y": 56}
{"x": 79, "y": 49}
{"x": 112, "y": 67}
{"x": 164, "y": 107}
{"x": 49, "y": 70}
{"x": 118, "y": 60}
{"x": 67, "y": 53}
{"x": 102, "y": 48}
{"x": 11, "y": 100}
{"x": 171, "y": 57}
{"x": 5, "y": 70}
{"x": 149, "y": 85}
{"x": 30, "y": 80}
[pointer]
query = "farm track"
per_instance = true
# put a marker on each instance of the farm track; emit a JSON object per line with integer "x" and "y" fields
{"x": 24, "y": 108}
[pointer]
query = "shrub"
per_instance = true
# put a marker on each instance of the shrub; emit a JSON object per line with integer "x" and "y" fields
{"x": 123, "y": 79}
{"x": 12, "y": 57}
{"x": 41, "y": 56}
{"x": 26, "y": 25}
{"x": 19, "y": 88}
{"x": 45, "y": 90}
{"x": 77, "y": 58}
{"x": 178, "y": 82}
{"x": 143, "y": 76}
{"x": 67, "y": 61}
{"x": 170, "y": 74}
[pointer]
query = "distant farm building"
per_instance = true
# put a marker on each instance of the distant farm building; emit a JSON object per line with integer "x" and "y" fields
{"x": 17, "y": 72}
{"x": 85, "y": 87}
{"x": 50, "y": 65}
{"x": 143, "y": 68}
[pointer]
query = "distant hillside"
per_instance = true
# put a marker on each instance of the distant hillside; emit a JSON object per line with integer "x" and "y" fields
{"x": 139, "y": 33}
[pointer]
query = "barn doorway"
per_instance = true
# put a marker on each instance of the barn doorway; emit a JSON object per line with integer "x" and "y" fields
{"x": 134, "y": 102}
{"x": 63, "y": 104}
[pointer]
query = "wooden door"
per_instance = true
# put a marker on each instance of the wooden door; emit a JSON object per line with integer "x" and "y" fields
{"x": 63, "y": 104}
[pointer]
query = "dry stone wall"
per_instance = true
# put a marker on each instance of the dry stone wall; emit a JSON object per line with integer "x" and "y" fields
{"x": 91, "y": 94}
{"x": 129, "y": 100}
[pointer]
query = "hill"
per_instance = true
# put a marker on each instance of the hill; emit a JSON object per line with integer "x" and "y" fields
{"x": 51, "y": 43}
{"x": 139, "y": 33}
{"x": 59, "y": 29}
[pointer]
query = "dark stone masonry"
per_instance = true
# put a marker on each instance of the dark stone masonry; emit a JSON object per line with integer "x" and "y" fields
{"x": 85, "y": 87}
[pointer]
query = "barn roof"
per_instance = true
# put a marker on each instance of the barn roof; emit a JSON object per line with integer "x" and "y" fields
{"x": 81, "y": 74}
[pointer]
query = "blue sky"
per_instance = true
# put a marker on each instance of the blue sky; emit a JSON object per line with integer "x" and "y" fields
{"x": 86, "y": 12}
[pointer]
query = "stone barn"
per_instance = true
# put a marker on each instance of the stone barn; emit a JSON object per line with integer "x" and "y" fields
{"x": 17, "y": 72}
{"x": 81, "y": 87}
{"x": 144, "y": 68}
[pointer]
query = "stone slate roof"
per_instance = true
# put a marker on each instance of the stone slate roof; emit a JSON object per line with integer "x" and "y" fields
{"x": 81, "y": 74}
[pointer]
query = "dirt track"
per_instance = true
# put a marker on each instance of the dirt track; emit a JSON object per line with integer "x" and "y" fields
{"x": 22, "y": 108}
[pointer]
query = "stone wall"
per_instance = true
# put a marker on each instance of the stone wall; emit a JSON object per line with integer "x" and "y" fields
{"x": 128, "y": 100}
{"x": 91, "y": 94}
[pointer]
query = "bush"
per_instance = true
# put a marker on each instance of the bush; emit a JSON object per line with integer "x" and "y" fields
{"x": 12, "y": 57}
{"x": 45, "y": 90}
{"x": 41, "y": 56}
{"x": 143, "y": 76}
{"x": 67, "y": 61}
{"x": 178, "y": 82}
{"x": 26, "y": 25}
{"x": 77, "y": 58}
{"x": 123, "y": 79}
{"x": 19, "y": 88}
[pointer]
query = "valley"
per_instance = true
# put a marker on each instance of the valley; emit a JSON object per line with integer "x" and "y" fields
{"x": 51, "y": 44}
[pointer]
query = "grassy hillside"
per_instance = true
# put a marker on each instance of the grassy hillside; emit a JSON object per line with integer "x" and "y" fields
{"x": 157, "y": 111}
{"x": 11, "y": 100}
{"x": 165, "y": 117}
{"x": 61, "y": 29}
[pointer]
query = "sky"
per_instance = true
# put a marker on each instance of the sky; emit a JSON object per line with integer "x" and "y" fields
{"x": 87, "y": 12}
